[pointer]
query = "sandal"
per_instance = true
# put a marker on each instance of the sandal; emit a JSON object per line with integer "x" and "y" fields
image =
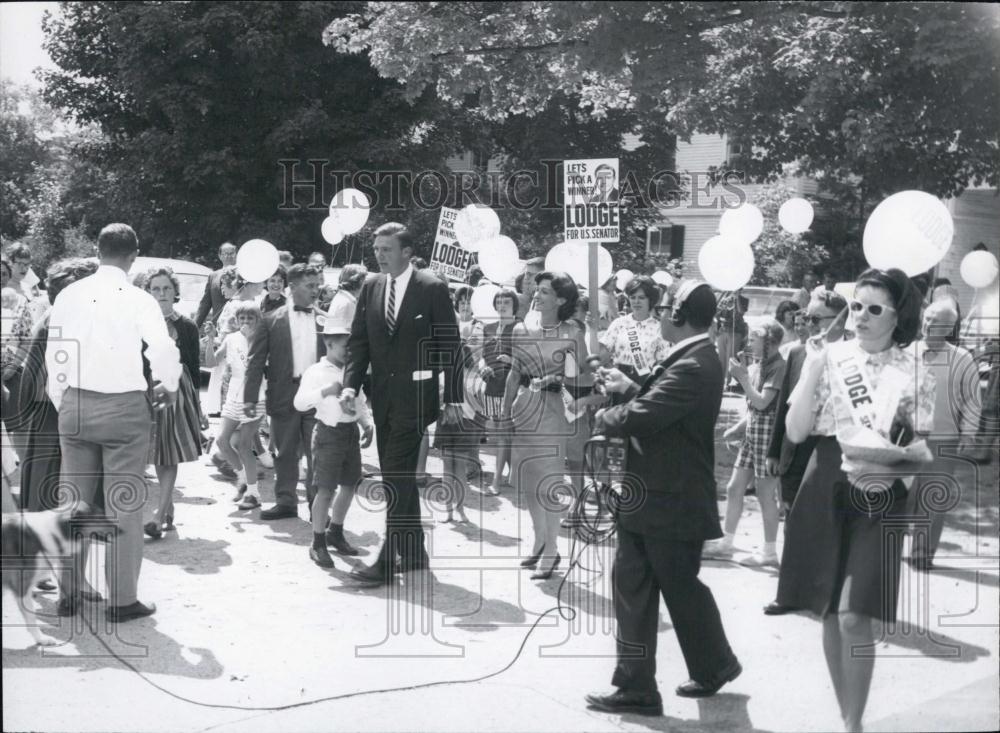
{"x": 153, "y": 530}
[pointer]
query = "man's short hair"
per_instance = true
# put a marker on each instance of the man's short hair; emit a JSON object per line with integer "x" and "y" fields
{"x": 400, "y": 232}
{"x": 117, "y": 240}
{"x": 830, "y": 299}
{"x": 226, "y": 244}
{"x": 18, "y": 251}
{"x": 535, "y": 262}
{"x": 313, "y": 255}
{"x": 604, "y": 167}
{"x": 300, "y": 270}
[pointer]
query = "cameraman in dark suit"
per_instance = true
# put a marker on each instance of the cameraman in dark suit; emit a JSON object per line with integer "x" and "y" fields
{"x": 405, "y": 328}
{"x": 670, "y": 423}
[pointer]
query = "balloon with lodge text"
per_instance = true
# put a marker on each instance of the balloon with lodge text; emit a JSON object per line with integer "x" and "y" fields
{"x": 910, "y": 230}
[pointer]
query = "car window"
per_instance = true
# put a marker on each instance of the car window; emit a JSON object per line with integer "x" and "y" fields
{"x": 192, "y": 286}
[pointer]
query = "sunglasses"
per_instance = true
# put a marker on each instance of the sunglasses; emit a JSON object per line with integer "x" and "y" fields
{"x": 874, "y": 309}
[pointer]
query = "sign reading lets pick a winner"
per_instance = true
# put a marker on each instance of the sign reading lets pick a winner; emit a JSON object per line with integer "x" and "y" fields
{"x": 449, "y": 256}
{"x": 590, "y": 200}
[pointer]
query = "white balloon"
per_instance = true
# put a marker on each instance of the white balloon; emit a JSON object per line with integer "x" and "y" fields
{"x": 498, "y": 259}
{"x": 742, "y": 224}
{"x": 623, "y": 277}
{"x": 979, "y": 268}
{"x": 482, "y": 301}
{"x": 795, "y": 215}
{"x": 725, "y": 265}
{"x": 910, "y": 230}
{"x": 257, "y": 260}
{"x": 330, "y": 230}
{"x": 475, "y": 224}
{"x": 350, "y": 209}
{"x": 662, "y": 277}
{"x": 573, "y": 258}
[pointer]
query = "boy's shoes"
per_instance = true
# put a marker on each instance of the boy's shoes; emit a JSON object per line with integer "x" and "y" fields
{"x": 339, "y": 543}
{"x": 250, "y": 502}
{"x": 240, "y": 491}
{"x": 321, "y": 557}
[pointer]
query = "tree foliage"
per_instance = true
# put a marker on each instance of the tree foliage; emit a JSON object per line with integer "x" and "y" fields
{"x": 894, "y": 95}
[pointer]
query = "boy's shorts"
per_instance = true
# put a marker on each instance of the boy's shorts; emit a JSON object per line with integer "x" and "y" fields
{"x": 336, "y": 453}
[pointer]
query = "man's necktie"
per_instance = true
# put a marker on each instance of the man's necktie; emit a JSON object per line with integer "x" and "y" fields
{"x": 390, "y": 316}
{"x": 303, "y": 308}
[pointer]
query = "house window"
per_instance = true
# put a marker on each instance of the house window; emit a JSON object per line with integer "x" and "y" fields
{"x": 666, "y": 240}
{"x": 737, "y": 151}
{"x": 481, "y": 159}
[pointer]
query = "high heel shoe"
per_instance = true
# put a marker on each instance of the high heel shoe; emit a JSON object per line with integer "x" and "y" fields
{"x": 546, "y": 574}
{"x": 533, "y": 560}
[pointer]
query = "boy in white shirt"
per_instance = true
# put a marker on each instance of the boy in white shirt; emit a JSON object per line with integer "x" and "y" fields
{"x": 335, "y": 448}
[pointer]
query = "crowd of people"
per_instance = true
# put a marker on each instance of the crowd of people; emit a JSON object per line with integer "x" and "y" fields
{"x": 303, "y": 376}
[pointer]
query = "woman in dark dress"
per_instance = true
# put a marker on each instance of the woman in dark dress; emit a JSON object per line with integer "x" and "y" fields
{"x": 43, "y": 458}
{"x": 177, "y": 429}
{"x": 842, "y": 553}
{"x": 493, "y": 369}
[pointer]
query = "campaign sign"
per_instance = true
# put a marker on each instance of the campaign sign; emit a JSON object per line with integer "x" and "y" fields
{"x": 590, "y": 200}
{"x": 449, "y": 256}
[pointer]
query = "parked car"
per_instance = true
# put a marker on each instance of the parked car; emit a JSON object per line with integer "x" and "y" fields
{"x": 764, "y": 302}
{"x": 191, "y": 276}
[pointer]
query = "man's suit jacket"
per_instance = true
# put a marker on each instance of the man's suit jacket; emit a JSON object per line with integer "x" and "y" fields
{"x": 406, "y": 365}
{"x": 212, "y": 300}
{"x": 671, "y": 420}
{"x": 780, "y": 447}
{"x": 271, "y": 357}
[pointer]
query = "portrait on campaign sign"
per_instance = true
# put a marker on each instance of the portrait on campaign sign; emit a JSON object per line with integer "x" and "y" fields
{"x": 590, "y": 200}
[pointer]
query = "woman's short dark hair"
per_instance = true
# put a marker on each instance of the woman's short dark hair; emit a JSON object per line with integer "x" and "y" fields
{"x": 163, "y": 272}
{"x": 463, "y": 292}
{"x": 648, "y": 287}
{"x": 785, "y": 307}
{"x": 565, "y": 288}
{"x": 66, "y": 272}
{"x": 281, "y": 272}
{"x": 508, "y": 293}
{"x": 905, "y": 297}
{"x": 117, "y": 240}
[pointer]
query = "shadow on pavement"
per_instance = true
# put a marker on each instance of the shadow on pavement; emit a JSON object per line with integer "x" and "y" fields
{"x": 724, "y": 711}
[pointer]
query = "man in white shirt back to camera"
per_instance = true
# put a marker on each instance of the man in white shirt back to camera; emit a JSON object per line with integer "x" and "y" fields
{"x": 94, "y": 357}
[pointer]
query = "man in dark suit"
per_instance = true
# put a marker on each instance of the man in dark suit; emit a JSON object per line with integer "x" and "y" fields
{"x": 285, "y": 344}
{"x": 670, "y": 424}
{"x": 213, "y": 300}
{"x": 406, "y": 328}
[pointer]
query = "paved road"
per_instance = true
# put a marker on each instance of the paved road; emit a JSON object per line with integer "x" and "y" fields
{"x": 246, "y": 621}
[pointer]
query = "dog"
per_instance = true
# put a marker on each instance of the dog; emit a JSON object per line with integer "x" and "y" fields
{"x": 38, "y": 544}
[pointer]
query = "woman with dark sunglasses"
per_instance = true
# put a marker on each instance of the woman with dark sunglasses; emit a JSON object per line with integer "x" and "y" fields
{"x": 841, "y": 558}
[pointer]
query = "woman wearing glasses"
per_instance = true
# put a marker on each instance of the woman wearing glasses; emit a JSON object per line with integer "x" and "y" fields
{"x": 841, "y": 557}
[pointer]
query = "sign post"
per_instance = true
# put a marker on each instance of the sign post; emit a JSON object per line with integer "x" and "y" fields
{"x": 591, "y": 215}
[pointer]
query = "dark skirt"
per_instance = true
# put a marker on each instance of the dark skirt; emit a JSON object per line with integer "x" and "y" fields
{"x": 177, "y": 429}
{"x": 843, "y": 547}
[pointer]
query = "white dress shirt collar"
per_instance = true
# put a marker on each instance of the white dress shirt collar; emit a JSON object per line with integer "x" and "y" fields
{"x": 110, "y": 271}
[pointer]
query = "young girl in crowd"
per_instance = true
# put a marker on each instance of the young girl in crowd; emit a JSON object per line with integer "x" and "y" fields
{"x": 459, "y": 442}
{"x": 235, "y": 350}
{"x": 494, "y": 365}
{"x": 761, "y": 384}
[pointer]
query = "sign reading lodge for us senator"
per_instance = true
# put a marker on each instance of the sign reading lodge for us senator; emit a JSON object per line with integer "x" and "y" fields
{"x": 590, "y": 200}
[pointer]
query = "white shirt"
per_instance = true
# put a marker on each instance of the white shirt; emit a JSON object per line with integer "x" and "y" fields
{"x": 303, "y": 332}
{"x": 237, "y": 357}
{"x": 342, "y": 307}
{"x": 96, "y": 330}
{"x": 401, "y": 284}
{"x": 317, "y": 378}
